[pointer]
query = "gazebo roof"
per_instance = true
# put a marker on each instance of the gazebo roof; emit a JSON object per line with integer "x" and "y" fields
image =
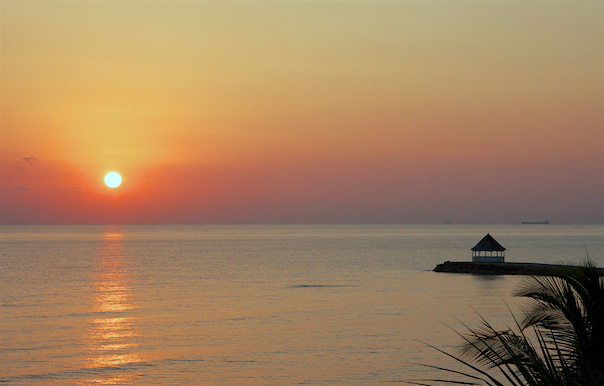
{"x": 488, "y": 243}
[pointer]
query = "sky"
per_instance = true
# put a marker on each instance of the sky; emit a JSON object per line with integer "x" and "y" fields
{"x": 301, "y": 111}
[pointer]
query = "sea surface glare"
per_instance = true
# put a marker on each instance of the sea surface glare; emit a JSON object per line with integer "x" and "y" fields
{"x": 252, "y": 305}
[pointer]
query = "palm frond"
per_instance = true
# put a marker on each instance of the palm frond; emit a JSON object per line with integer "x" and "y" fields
{"x": 559, "y": 340}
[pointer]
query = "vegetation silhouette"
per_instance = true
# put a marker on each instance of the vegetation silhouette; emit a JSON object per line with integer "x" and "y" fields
{"x": 559, "y": 341}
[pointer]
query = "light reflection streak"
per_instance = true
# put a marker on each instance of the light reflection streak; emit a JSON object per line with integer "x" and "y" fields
{"x": 112, "y": 337}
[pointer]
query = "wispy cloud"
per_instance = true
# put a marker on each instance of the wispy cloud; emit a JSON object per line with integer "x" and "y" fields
{"x": 22, "y": 188}
{"x": 30, "y": 160}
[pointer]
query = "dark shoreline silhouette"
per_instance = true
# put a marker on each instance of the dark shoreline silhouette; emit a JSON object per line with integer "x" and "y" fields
{"x": 489, "y": 268}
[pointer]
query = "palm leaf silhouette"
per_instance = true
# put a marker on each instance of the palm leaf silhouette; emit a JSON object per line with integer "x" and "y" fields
{"x": 559, "y": 341}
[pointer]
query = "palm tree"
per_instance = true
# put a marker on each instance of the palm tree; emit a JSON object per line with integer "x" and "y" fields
{"x": 569, "y": 310}
{"x": 560, "y": 340}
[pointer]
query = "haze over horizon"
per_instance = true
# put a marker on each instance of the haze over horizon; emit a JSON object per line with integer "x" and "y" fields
{"x": 228, "y": 112}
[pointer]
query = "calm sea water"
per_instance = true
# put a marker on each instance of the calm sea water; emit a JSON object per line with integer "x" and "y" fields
{"x": 251, "y": 305}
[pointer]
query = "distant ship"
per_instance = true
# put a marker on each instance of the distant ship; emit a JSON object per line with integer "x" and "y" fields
{"x": 535, "y": 222}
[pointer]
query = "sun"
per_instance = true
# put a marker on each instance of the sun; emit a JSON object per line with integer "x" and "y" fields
{"x": 113, "y": 180}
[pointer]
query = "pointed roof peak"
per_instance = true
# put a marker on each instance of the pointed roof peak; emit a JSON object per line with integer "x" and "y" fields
{"x": 488, "y": 243}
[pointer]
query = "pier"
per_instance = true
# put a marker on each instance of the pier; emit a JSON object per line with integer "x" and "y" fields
{"x": 492, "y": 268}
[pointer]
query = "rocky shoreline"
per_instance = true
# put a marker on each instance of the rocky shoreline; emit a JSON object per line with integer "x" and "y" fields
{"x": 503, "y": 268}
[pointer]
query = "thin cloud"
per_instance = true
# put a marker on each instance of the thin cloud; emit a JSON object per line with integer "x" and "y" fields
{"x": 22, "y": 188}
{"x": 30, "y": 160}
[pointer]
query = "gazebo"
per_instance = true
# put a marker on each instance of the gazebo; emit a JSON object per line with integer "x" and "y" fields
{"x": 488, "y": 250}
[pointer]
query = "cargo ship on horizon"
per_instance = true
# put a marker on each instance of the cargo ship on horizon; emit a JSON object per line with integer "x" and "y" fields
{"x": 535, "y": 222}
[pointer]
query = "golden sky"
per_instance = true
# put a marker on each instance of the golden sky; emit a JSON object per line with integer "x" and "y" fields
{"x": 302, "y": 111}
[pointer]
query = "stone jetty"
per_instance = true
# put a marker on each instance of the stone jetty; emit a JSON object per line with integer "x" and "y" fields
{"x": 493, "y": 268}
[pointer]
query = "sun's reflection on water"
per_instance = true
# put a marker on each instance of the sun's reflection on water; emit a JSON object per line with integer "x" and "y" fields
{"x": 113, "y": 335}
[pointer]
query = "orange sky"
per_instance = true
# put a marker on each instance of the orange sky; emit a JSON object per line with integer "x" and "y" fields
{"x": 302, "y": 111}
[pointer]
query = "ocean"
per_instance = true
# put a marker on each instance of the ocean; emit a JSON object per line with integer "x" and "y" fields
{"x": 253, "y": 304}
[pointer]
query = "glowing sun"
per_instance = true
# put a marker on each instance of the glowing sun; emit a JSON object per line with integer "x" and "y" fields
{"x": 113, "y": 180}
